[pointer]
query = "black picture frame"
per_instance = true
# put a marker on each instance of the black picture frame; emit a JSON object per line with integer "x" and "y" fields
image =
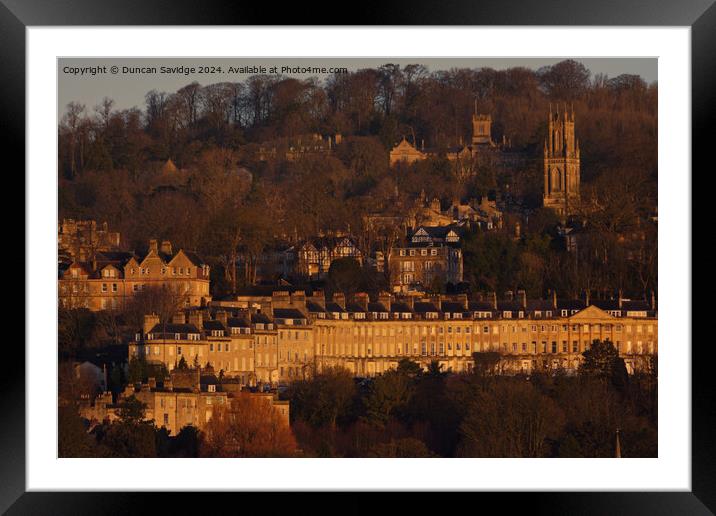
{"x": 16, "y": 15}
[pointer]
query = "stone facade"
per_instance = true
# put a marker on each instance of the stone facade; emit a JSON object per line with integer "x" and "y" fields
{"x": 300, "y": 334}
{"x": 432, "y": 254}
{"x": 561, "y": 164}
{"x": 187, "y": 398}
{"x": 110, "y": 279}
{"x": 481, "y": 149}
{"x": 79, "y": 240}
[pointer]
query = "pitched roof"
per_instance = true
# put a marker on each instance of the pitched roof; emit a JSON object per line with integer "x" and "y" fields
{"x": 376, "y": 307}
{"x": 213, "y": 325}
{"x": 424, "y": 307}
{"x": 333, "y": 307}
{"x": 312, "y": 306}
{"x": 354, "y": 307}
{"x": 452, "y": 307}
{"x": 237, "y": 322}
{"x": 260, "y": 318}
{"x": 287, "y": 313}
{"x": 399, "y": 306}
{"x": 174, "y": 328}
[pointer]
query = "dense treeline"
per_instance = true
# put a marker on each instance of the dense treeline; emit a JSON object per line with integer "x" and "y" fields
{"x": 109, "y": 162}
{"x": 412, "y": 413}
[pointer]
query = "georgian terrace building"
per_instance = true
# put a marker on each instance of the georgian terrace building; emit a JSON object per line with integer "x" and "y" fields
{"x": 530, "y": 335}
{"x": 293, "y": 334}
{"x": 111, "y": 278}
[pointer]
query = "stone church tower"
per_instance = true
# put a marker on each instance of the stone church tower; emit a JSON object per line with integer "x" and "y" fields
{"x": 561, "y": 164}
{"x": 481, "y": 129}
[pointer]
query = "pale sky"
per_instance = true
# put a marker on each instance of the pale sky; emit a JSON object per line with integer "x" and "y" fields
{"x": 128, "y": 90}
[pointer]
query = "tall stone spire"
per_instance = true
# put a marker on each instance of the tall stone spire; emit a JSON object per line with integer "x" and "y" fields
{"x": 561, "y": 163}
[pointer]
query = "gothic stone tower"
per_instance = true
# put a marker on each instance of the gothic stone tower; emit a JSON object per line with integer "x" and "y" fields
{"x": 561, "y": 164}
{"x": 481, "y": 128}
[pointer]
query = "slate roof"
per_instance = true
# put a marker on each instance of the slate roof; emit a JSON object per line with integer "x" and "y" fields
{"x": 399, "y": 306}
{"x": 174, "y": 328}
{"x": 424, "y": 307}
{"x": 214, "y": 325}
{"x": 312, "y": 306}
{"x": 452, "y": 307}
{"x": 287, "y": 313}
{"x": 237, "y": 322}
{"x": 376, "y": 307}
{"x": 354, "y": 307}
{"x": 260, "y": 318}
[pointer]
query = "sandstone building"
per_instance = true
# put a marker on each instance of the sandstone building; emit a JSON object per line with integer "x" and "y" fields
{"x": 481, "y": 148}
{"x": 111, "y": 278}
{"x": 188, "y": 397}
{"x": 370, "y": 337}
{"x": 432, "y": 255}
{"x": 561, "y": 164}
{"x": 79, "y": 240}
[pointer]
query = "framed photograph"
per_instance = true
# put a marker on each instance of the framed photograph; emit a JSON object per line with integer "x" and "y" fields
{"x": 418, "y": 253}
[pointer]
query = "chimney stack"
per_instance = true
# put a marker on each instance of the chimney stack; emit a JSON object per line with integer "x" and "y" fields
{"x": 222, "y": 316}
{"x": 196, "y": 318}
{"x": 554, "y": 299}
{"x": 339, "y": 298}
{"x": 318, "y": 297}
{"x": 587, "y": 299}
{"x": 152, "y": 382}
{"x": 462, "y": 299}
{"x": 150, "y": 321}
{"x": 280, "y": 298}
{"x": 384, "y": 298}
{"x": 153, "y": 246}
{"x": 178, "y": 318}
{"x": 298, "y": 299}
{"x": 166, "y": 247}
{"x": 653, "y": 300}
{"x": 361, "y": 299}
{"x": 509, "y": 296}
{"x": 522, "y": 294}
{"x": 494, "y": 300}
{"x": 620, "y": 299}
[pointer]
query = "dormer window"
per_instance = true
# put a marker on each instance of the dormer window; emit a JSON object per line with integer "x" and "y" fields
{"x": 177, "y": 336}
{"x": 564, "y": 313}
{"x": 507, "y": 314}
{"x": 211, "y": 388}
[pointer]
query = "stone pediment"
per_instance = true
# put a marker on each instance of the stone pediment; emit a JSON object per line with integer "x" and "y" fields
{"x": 591, "y": 312}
